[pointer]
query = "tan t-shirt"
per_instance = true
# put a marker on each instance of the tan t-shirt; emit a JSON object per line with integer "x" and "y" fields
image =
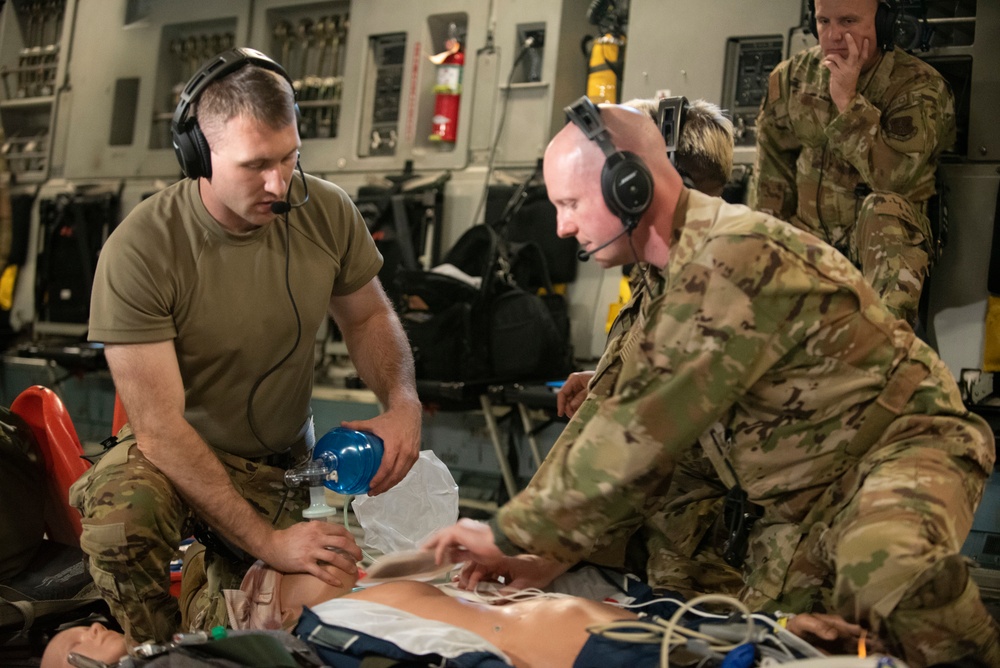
{"x": 169, "y": 271}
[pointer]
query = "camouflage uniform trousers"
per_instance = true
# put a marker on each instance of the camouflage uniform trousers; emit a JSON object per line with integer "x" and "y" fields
{"x": 685, "y": 552}
{"x": 134, "y": 521}
{"x": 685, "y": 541}
{"x": 201, "y": 602}
{"x": 893, "y": 246}
{"x": 915, "y": 591}
{"x": 679, "y": 548}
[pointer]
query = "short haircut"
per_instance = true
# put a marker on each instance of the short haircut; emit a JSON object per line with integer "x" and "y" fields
{"x": 706, "y": 141}
{"x": 647, "y": 105}
{"x": 705, "y": 148}
{"x": 252, "y": 92}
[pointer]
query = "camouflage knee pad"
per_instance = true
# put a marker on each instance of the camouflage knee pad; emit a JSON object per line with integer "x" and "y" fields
{"x": 957, "y": 629}
{"x": 896, "y": 554}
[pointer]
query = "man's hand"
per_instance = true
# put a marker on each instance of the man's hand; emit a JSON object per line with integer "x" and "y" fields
{"x": 466, "y": 540}
{"x": 845, "y": 72}
{"x": 399, "y": 429}
{"x": 307, "y": 546}
{"x": 830, "y": 633}
{"x": 472, "y": 542}
{"x": 572, "y": 393}
{"x": 525, "y": 571}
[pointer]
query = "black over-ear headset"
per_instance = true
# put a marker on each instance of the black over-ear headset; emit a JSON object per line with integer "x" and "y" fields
{"x": 189, "y": 142}
{"x": 670, "y": 118}
{"x": 886, "y": 17}
{"x": 626, "y": 182}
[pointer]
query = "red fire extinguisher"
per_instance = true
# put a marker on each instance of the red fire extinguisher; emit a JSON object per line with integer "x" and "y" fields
{"x": 448, "y": 92}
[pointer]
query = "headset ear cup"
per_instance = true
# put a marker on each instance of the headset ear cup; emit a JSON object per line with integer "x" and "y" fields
{"x": 627, "y": 186}
{"x": 608, "y": 189}
{"x": 203, "y": 154}
{"x": 812, "y": 19}
{"x": 192, "y": 152}
{"x": 185, "y": 152}
{"x": 885, "y": 26}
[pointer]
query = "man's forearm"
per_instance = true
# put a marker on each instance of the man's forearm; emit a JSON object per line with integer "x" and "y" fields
{"x": 200, "y": 478}
{"x": 861, "y": 136}
{"x": 381, "y": 354}
{"x": 503, "y": 542}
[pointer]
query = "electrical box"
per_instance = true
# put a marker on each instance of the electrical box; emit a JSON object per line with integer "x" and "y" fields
{"x": 382, "y": 95}
{"x": 533, "y": 83}
{"x": 959, "y": 38}
{"x": 749, "y": 62}
{"x": 720, "y": 51}
{"x": 310, "y": 42}
{"x": 127, "y": 71}
{"x": 364, "y": 80}
{"x": 33, "y": 59}
{"x": 369, "y": 95}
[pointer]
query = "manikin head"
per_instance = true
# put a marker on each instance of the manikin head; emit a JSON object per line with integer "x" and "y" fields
{"x": 94, "y": 642}
{"x": 295, "y": 591}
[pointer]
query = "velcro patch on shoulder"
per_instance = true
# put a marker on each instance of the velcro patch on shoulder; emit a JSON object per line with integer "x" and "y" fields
{"x": 901, "y": 127}
{"x": 771, "y": 197}
{"x": 773, "y": 88}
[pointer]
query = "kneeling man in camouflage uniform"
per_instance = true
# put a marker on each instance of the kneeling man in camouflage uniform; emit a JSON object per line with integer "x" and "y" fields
{"x": 769, "y": 350}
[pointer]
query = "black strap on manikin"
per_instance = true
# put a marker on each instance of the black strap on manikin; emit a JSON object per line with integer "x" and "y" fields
{"x": 253, "y": 649}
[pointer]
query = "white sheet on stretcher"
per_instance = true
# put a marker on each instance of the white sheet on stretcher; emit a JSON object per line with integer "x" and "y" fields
{"x": 411, "y": 633}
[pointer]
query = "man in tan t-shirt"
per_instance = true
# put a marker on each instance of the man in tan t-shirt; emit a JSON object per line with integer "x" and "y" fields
{"x": 208, "y": 297}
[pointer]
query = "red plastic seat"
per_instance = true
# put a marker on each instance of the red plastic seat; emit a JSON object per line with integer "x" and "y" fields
{"x": 62, "y": 453}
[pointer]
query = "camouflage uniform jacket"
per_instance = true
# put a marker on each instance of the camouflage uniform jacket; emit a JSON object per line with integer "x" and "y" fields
{"x": 889, "y": 139}
{"x": 621, "y": 334}
{"x": 762, "y": 328}
{"x": 693, "y": 503}
{"x": 610, "y": 549}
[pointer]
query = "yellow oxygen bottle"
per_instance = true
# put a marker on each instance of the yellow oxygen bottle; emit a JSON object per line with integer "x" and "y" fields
{"x": 605, "y": 69}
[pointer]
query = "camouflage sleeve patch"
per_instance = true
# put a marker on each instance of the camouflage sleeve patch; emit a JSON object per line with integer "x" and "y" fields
{"x": 773, "y": 87}
{"x": 901, "y": 129}
{"x": 770, "y": 197}
{"x": 910, "y": 127}
{"x": 891, "y": 149}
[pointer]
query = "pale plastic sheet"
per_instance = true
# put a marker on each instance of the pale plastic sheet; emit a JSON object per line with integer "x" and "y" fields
{"x": 409, "y": 632}
{"x": 423, "y": 502}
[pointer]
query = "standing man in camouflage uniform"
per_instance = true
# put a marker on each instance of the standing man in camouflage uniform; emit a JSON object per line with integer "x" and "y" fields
{"x": 208, "y": 298}
{"x": 848, "y": 142}
{"x": 769, "y": 349}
